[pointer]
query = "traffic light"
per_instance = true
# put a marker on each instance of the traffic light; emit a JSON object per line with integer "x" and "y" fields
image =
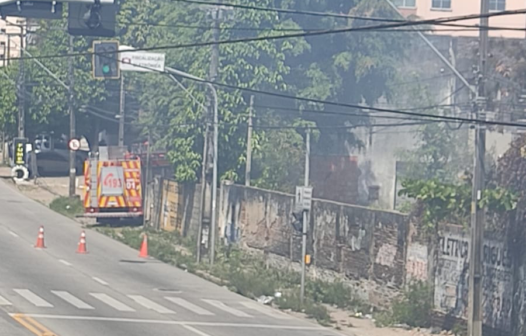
{"x": 95, "y": 19}
{"x": 297, "y": 223}
{"x": 106, "y": 64}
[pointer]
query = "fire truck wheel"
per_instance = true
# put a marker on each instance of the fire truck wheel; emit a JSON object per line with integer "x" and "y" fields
{"x": 20, "y": 173}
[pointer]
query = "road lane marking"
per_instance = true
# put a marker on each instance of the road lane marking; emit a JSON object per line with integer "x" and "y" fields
{"x": 172, "y": 322}
{"x": 192, "y": 329}
{"x": 13, "y": 234}
{"x": 190, "y": 306}
{"x": 99, "y": 280}
{"x": 147, "y": 303}
{"x": 33, "y": 298}
{"x": 32, "y": 325}
{"x": 264, "y": 310}
{"x": 224, "y": 307}
{"x": 64, "y": 262}
{"x": 4, "y": 302}
{"x": 72, "y": 300}
{"x": 112, "y": 302}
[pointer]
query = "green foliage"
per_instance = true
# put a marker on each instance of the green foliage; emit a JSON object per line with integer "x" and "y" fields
{"x": 346, "y": 68}
{"x": 448, "y": 202}
{"x": 441, "y": 149}
{"x": 67, "y": 206}
{"x": 413, "y": 308}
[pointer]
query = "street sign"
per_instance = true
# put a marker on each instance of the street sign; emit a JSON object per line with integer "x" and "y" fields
{"x": 20, "y": 151}
{"x": 303, "y": 198}
{"x": 140, "y": 61}
{"x": 74, "y": 144}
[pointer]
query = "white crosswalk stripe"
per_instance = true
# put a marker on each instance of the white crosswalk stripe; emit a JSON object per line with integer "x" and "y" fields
{"x": 72, "y": 300}
{"x": 4, "y": 302}
{"x": 264, "y": 310}
{"x": 224, "y": 307}
{"x": 190, "y": 306}
{"x": 147, "y": 303}
{"x": 112, "y": 302}
{"x": 33, "y": 298}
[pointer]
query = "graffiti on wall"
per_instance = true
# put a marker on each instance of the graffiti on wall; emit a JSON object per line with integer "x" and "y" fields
{"x": 416, "y": 262}
{"x": 452, "y": 280}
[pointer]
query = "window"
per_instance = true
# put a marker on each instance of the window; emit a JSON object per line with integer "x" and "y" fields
{"x": 441, "y": 4}
{"x": 405, "y": 3}
{"x": 497, "y": 5}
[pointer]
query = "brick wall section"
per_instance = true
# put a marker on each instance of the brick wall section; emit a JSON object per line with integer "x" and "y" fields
{"x": 362, "y": 245}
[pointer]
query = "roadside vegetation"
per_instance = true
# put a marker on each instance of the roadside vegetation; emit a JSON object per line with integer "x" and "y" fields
{"x": 67, "y": 206}
{"x": 246, "y": 274}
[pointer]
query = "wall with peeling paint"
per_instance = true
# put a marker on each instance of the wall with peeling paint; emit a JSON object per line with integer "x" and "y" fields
{"x": 364, "y": 246}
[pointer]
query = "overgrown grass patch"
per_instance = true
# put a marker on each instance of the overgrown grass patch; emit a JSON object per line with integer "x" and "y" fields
{"x": 244, "y": 273}
{"x": 67, "y": 206}
{"x": 414, "y": 308}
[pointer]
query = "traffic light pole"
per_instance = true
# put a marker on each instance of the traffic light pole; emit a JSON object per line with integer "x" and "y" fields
{"x": 305, "y": 220}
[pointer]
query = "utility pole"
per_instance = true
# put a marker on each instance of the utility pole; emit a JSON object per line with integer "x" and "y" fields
{"x": 147, "y": 179}
{"x": 203, "y": 189}
{"x": 249, "y": 143}
{"x": 305, "y": 219}
{"x": 72, "y": 122}
{"x": 477, "y": 213}
{"x": 214, "y": 65}
{"x": 21, "y": 87}
{"x": 121, "y": 112}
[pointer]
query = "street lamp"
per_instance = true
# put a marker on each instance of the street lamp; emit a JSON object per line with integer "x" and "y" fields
{"x": 213, "y": 222}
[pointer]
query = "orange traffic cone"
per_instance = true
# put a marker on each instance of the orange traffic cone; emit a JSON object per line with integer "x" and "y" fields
{"x": 82, "y": 244}
{"x": 40, "y": 239}
{"x": 143, "y": 252}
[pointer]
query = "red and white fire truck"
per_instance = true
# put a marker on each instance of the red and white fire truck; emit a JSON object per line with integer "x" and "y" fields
{"x": 114, "y": 183}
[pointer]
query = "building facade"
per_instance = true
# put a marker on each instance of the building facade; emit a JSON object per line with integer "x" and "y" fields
{"x": 10, "y": 31}
{"x": 434, "y": 9}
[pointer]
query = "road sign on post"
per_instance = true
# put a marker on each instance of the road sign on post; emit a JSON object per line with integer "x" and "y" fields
{"x": 303, "y": 198}
{"x": 140, "y": 61}
{"x": 106, "y": 64}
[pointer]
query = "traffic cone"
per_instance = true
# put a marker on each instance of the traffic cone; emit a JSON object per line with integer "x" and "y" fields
{"x": 40, "y": 239}
{"x": 82, "y": 244}
{"x": 143, "y": 252}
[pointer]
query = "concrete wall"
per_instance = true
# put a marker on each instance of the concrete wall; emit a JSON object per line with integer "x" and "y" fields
{"x": 364, "y": 246}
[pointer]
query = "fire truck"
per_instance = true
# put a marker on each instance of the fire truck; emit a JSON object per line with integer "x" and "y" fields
{"x": 114, "y": 180}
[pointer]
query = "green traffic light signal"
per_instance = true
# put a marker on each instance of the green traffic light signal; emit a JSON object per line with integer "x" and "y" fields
{"x": 106, "y": 69}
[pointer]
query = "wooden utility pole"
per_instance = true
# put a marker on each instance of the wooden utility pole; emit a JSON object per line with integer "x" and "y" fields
{"x": 477, "y": 213}
{"x": 249, "y": 143}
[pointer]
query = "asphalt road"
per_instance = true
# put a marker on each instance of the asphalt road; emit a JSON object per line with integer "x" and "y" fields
{"x": 110, "y": 291}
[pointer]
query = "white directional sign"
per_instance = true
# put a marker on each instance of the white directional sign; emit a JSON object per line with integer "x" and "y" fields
{"x": 303, "y": 198}
{"x": 140, "y": 61}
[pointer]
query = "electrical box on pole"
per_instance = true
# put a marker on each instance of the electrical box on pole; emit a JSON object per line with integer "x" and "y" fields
{"x": 106, "y": 63}
{"x": 92, "y": 19}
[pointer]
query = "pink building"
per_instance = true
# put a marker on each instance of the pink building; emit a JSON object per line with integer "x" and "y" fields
{"x": 433, "y": 9}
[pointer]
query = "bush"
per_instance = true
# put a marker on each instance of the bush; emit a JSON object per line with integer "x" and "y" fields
{"x": 332, "y": 293}
{"x": 69, "y": 207}
{"x": 414, "y": 308}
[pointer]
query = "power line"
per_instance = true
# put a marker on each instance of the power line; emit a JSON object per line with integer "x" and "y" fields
{"x": 297, "y": 35}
